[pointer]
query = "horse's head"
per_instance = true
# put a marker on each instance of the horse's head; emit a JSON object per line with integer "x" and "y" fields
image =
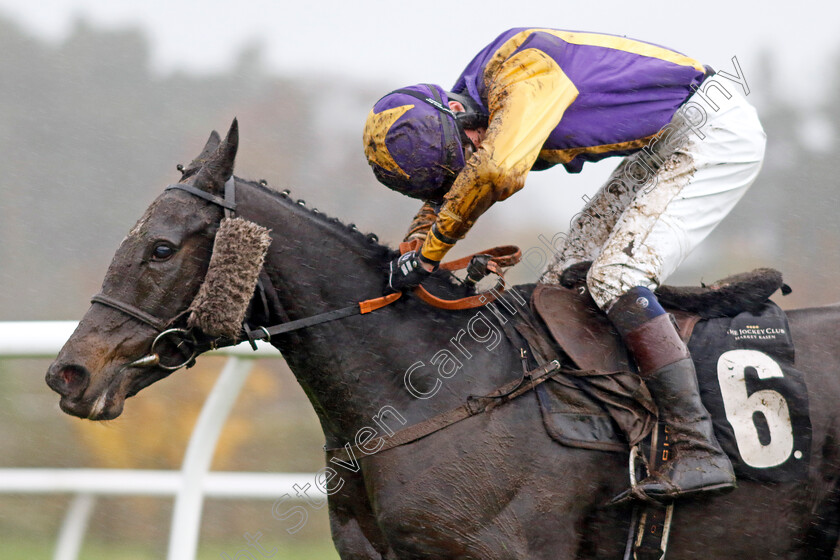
{"x": 118, "y": 348}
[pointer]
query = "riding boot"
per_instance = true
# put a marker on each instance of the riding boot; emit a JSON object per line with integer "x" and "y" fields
{"x": 696, "y": 464}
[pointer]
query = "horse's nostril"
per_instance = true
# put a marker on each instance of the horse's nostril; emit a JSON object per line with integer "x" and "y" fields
{"x": 69, "y": 380}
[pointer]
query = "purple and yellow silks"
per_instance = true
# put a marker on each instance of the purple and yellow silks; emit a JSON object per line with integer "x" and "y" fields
{"x": 558, "y": 97}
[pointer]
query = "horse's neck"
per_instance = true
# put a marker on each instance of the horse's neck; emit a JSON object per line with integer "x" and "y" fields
{"x": 353, "y": 368}
{"x": 317, "y": 264}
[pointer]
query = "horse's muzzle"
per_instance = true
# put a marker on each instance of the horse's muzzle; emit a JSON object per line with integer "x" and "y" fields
{"x": 72, "y": 381}
{"x": 68, "y": 380}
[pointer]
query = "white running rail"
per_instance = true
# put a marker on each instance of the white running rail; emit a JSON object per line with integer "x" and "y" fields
{"x": 189, "y": 486}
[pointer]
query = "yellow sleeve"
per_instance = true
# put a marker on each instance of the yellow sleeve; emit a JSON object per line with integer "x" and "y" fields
{"x": 527, "y": 96}
{"x": 422, "y": 223}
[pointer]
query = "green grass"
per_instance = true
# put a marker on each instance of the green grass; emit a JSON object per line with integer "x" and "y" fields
{"x": 32, "y": 550}
{"x": 38, "y": 550}
{"x": 313, "y": 551}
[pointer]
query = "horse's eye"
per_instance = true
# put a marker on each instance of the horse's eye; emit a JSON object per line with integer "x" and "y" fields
{"x": 162, "y": 251}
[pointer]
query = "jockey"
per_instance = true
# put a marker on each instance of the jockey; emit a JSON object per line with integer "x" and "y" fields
{"x": 534, "y": 98}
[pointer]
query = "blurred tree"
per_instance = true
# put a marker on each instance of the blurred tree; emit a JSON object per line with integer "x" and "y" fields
{"x": 89, "y": 136}
{"x": 787, "y": 219}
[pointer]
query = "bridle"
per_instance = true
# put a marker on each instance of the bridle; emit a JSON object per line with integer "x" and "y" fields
{"x": 163, "y": 327}
{"x": 491, "y": 260}
{"x": 187, "y": 337}
{"x": 153, "y": 357}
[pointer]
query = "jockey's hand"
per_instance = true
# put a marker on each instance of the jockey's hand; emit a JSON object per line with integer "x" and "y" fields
{"x": 407, "y": 271}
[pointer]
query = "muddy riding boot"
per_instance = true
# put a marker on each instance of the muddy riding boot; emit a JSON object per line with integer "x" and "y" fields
{"x": 696, "y": 464}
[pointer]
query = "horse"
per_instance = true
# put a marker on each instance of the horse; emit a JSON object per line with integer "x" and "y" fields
{"x": 493, "y": 486}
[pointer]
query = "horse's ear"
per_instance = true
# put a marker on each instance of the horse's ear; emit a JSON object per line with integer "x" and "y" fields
{"x": 218, "y": 167}
{"x": 211, "y": 145}
{"x": 201, "y": 159}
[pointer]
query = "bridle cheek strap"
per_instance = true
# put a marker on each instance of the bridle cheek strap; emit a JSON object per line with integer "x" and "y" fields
{"x": 228, "y": 204}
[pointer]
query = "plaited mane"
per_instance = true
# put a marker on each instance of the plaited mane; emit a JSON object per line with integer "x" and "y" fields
{"x": 239, "y": 251}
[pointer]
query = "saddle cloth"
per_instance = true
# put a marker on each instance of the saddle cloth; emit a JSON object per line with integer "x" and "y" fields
{"x": 743, "y": 358}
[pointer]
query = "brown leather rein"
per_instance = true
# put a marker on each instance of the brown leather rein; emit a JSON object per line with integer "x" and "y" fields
{"x": 495, "y": 260}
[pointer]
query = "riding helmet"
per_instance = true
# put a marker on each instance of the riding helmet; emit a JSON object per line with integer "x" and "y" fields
{"x": 414, "y": 142}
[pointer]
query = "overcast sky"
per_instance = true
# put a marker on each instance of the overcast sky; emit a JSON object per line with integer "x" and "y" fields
{"x": 389, "y": 44}
{"x": 412, "y": 41}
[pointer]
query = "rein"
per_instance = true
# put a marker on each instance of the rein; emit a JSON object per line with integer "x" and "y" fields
{"x": 478, "y": 265}
{"x": 497, "y": 257}
{"x": 361, "y": 308}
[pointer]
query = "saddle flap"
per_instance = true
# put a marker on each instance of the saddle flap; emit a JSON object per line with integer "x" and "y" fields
{"x": 585, "y": 333}
{"x": 580, "y": 328}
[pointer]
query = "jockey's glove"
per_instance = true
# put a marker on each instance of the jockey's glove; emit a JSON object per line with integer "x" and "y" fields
{"x": 406, "y": 271}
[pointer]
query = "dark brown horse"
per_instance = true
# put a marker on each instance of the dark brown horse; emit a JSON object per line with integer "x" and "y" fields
{"x": 494, "y": 486}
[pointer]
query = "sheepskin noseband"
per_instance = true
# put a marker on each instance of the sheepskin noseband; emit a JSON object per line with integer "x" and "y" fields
{"x": 222, "y": 301}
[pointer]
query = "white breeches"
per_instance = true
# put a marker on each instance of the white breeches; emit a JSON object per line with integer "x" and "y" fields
{"x": 663, "y": 200}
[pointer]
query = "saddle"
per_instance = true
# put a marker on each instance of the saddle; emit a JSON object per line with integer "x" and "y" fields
{"x": 584, "y": 411}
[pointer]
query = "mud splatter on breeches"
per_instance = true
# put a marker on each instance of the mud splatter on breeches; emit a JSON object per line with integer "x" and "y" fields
{"x": 662, "y": 201}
